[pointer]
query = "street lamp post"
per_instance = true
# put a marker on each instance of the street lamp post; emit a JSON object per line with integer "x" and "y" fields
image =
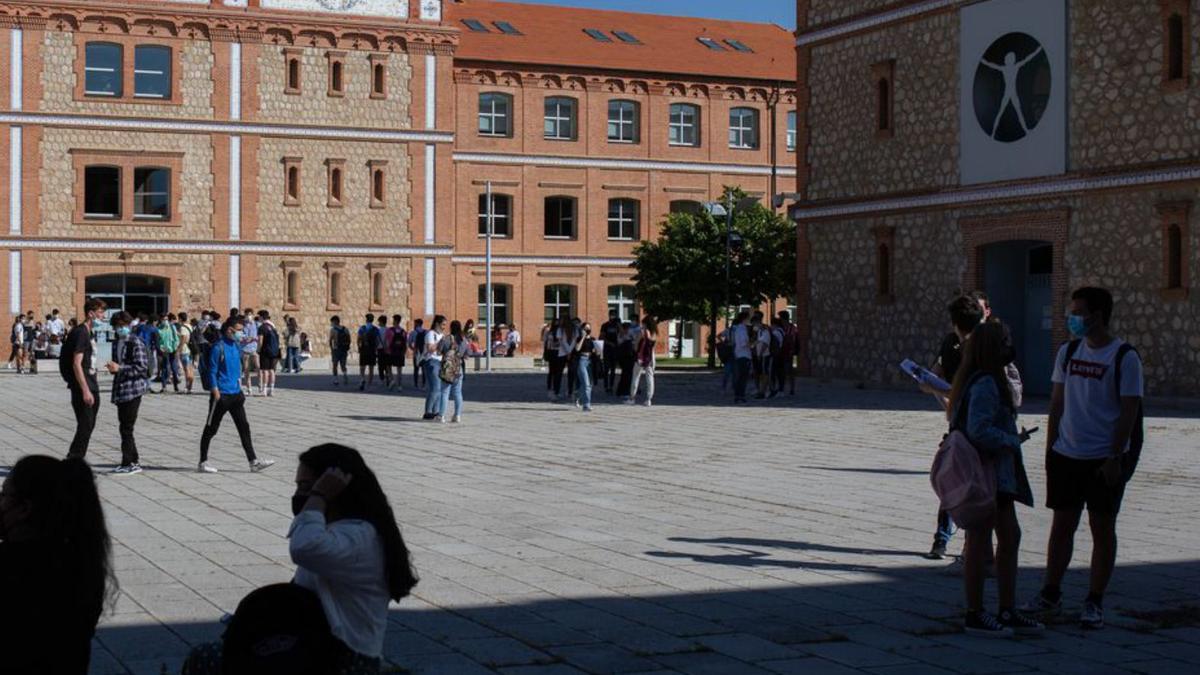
{"x": 491, "y": 216}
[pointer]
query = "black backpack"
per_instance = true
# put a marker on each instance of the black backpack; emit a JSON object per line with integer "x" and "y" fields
{"x": 280, "y": 629}
{"x": 1138, "y": 437}
{"x": 270, "y": 341}
{"x": 399, "y": 342}
{"x": 343, "y": 338}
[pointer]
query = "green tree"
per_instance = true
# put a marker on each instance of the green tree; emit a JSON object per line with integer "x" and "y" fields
{"x": 682, "y": 275}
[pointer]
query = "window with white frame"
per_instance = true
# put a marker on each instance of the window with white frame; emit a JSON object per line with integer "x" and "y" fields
{"x": 791, "y": 131}
{"x": 560, "y": 119}
{"x": 622, "y": 122}
{"x": 495, "y": 114}
{"x": 621, "y": 300}
{"x": 152, "y": 71}
{"x": 560, "y": 217}
{"x": 559, "y": 302}
{"x": 684, "y": 124}
{"x": 151, "y": 193}
{"x": 500, "y": 301}
{"x": 102, "y": 69}
{"x": 622, "y": 219}
{"x": 743, "y": 128}
{"x": 501, "y": 215}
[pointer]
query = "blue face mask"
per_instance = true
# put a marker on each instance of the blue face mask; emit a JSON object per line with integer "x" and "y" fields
{"x": 123, "y": 332}
{"x": 238, "y": 336}
{"x": 1077, "y": 325}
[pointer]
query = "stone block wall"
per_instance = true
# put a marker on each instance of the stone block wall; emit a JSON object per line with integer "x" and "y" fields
{"x": 846, "y": 157}
{"x": 61, "y": 72}
{"x": 63, "y": 273}
{"x": 59, "y": 186}
{"x": 315, "y": 106}
{"x": 826, "y": 11}
{"x": 355, "y": 222}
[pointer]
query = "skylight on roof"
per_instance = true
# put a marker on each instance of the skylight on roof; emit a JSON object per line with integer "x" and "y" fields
{"x": 711, "y": 44}
{"x": 596, "y": 35}
{"x": 626, "y": 37}
{"x": 476, "y": 26}
{"x": 740, "y": 46}
{"x": 507, "y": 28}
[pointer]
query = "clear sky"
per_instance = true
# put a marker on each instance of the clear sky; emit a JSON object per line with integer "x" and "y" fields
{"x": 782, "y": 12}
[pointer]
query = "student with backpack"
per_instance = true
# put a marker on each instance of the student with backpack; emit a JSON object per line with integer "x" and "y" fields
{"x": 397, "y": 340}
{"x": 981, "y": 406}
{"x": 432, "y": 364}
{"x": 339, "y": 348}
{"x": 1093, "y": 445}
{"x": 368, "y": 352}
{"x": 77, "y": 365}
{"x": 225, "y": 364}
{"x": 128, "y": 367}
{"x": 416, "y": 343}
{"x": 453, "y": 349}
{"x": 270, "y": 348}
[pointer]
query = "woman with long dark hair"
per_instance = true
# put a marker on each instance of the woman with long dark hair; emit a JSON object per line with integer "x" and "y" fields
{"x": 454, "y": 346}
{"x": 981, "y": 406}
{"x": 56, "y": 574}
{"x": 644, "y": 365}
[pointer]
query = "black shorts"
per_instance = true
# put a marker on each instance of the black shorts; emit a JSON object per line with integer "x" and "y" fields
{"x": 267, "y": 362}
{"x": 398, "y": 360}
{"x": 1072, "y": 484}
{"x": 367, "y": 357}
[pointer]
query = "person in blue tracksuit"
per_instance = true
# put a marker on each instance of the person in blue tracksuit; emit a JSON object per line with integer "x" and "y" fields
{"x": 225, "y": 364}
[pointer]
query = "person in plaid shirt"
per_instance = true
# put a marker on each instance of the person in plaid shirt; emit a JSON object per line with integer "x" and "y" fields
{"x": 130, "y": 370}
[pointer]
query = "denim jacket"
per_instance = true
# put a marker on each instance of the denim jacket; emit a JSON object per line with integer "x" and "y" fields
{"x": 992, "y": 429}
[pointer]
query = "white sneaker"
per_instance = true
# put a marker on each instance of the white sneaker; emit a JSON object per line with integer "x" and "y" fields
{"x": 1092, "y": 616}
{"x": 457, "y": 419}
{"x": 205, "y": 467}
{"x": 271, "y": 391}
{"x": 261, "y": 464}
{"x": 647, "y": 403}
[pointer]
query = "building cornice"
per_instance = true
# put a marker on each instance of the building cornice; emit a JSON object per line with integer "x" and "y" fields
{"x": 230, "y": 127}
{"x": 614, "y": 163}
{"x": 219, "y": 247}
{"x": 229, "y": 24}
{"x": 542, "y": 260}
{"x": 1046, "y": 188}
{"x": 875, "y": 20}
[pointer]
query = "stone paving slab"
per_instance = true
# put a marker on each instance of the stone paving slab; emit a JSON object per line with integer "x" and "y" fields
{"x": 783, "y": 536}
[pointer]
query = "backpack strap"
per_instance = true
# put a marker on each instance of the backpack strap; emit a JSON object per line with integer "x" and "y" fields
{"x": 1072, "y": 347}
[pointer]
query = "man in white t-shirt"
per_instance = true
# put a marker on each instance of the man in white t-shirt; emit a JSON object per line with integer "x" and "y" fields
{"x": 739, "y": 335}
{"x": 433, "y": 366}
{"x": 513, "y": 341}
{"x": 1092, "y": 447}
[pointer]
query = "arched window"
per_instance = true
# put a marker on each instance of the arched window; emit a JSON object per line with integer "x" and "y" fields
{"x": 743, "y": 128}
{"x": 291, "y": 292}
{"x": 335, "y": 185}
{"x": 501, "y": 298}
{"x": 377, "y": 289}
{"x": 683, "y": 125}
{"x": 1175, "y": 48}
{"x": 293, "y": 75}
{"x": 501, "y": 215}
{"x": 560, "y": 217}
{"x": 623, "y": 219}
{"x": 559, "y": 302}
{"x": 335, "y": 289}
{"x": 377, "y": 185}
{"x": 1174, "y": 257}
{"x": 495, "y": 114}
{"x": 560, "y": 119}
{"x": 379, "y": 80}
{"x": 102, "y": 69}
{"x": 337, "y": 84}
{"x": 622, "y": 301}
{"x": 293, "y": 183}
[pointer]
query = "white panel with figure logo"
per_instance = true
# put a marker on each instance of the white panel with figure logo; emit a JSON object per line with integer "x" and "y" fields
{"x": 1013, "y": 90}
{"x": 390, "y": 8}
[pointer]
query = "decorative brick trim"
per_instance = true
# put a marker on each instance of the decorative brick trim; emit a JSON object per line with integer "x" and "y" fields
{"x": 1051, "y": 226}
{"x": 885, "y": 264}
{"x": 883, "y": 82}
{"x": 126, "y": 161}
{"x": 1181, "y": 11}
{"x": 1177, "y": 258}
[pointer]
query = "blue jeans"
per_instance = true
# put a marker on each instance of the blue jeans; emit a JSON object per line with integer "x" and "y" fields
{"x": 453, "y": 389}
{"x": 584, "y": 386}
{"x": 945, "y": 528}
{"x": 726, "y": 374}
{"x": 741, "y": 374}
{"x": 433, "y": 385}
{"x": 292, "y": 361}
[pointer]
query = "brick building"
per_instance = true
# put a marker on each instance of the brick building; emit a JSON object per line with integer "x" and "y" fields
{"x": 1025, "y": 147}
{"x": 320, "y": 157}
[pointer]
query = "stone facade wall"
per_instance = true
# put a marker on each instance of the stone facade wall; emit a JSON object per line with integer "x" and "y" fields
{"x": 845, "y": 156}
{"x": 313, "y": 220}
{"x": 826, "y": 11}
{"x": 314, "y": 105}
{"x": 61, "y": 72}
{"x": 62, "y": 271}
{"x": 1119, "y": 111}
{"x": 193, "y": 219}
{"x": 312, "y": 311}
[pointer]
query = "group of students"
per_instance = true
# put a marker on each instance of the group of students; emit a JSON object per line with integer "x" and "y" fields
{"x": 31, "y": 340}
{"x": 1094, "y": 441}
{"x": 752, "y": 350}
{"x": 351, "y": 562}
{"x": 571, "y": 347}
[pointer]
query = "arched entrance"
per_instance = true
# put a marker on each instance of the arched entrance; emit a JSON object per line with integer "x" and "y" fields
{"x": 1017, "y": 278}
{"x": 133, "y": 293}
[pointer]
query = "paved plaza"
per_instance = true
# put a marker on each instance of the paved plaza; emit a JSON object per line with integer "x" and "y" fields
{"x": 779, "y": 537}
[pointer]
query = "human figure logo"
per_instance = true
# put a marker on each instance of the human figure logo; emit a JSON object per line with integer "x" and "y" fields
{"x": 1012, "y": 87}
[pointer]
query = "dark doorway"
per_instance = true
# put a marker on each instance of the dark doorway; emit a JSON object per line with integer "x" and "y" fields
{"x": 1016, "y": 276}
{"x": 133, "y": 293}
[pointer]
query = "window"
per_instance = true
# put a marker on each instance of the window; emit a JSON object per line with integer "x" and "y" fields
{"x": 151, "y": 71}
{"x": 102, "y": 192}
{"x": 622, "y": 219}
{"x": 335, "y": 289}
{"x": 500, "y": 302}
{"x": 883, "y": 75}
{"x": 740, "y": 46}
{"x": 560, "y": 302}
{"x": 686, "y": 206}
{"x": 743, "y": 128}
{"x": 378, "y": 178}
{"x": 501, "y": 215}
{"x": 596, "y": 35}
{"x": 291, "y": 181}
{"x": 1175, "y": 47}
{"x": 621, "y": 300}
{"x": 507, "y": 28}
{"x": 560, "y": 118}
{"x": 884, "y": 259}
{"x": 292, "y": 82}
{"x": 1177, "y": 44}
{"x": 1176, "y": 254}
{"x": 376, "y": 288}
{"x": 102, "y": 69}
{"x": 791, "y": 131}
{"x": 711, "y": 44}
{"x": 476, "y": 26}
{"x": 622, "y": 122}
{"x": 379, "y": 79}
{"x": 494, "y": 112}
{"x": 683, "y": 125}
{"x": 560, "y": 217}
{"x": 337, "y": 78}
{"x": 151, "y": 193}
{"x": 627, "y": 38}
{"x": 291, "y": 289}
{"x": 885, "y": 247}
{"x": 336, "y": 181}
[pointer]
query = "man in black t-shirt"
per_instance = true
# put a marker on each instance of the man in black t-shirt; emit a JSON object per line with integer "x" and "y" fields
{"x": 78, "y": 367}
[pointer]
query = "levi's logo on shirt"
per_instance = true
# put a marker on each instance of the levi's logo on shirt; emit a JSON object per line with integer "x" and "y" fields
{"x": 1088, "y": 369}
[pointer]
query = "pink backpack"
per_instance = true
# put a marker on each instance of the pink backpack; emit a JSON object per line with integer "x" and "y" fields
{"x": 964, "y": 482}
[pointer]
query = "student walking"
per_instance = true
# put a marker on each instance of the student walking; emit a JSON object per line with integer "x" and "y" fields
{"x": 128, "y": 368}
{"x": 17, "y": 339}
{"x": 982, "y": 407}
{"x": 432, "y": 365}
{"x": 291, "y": 363}
{"x": 188, "y": 350}
{"x": 453, "y": 349}
{"x": 645, "y": 361}
{"x": 168, "y": 345}
{"x": 250, "y": 346}
{"x": 586, "y": 354}
{"x": 625, "y": 358}
{"x": 610, "y": 331}
{"x": 225, "y": 364}
{"x": 384, "y": 353}
{"x": 368, "y": 352}
{"x": 416, "y": 343}
{"x": 397, "y": 340}
{"x": 268, "y": 354}
{"x": 743, "y": 355}
{"x": 78, "y": 368}
{"x": 1092, "y": 450}
{"x": 339, "y": 349}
